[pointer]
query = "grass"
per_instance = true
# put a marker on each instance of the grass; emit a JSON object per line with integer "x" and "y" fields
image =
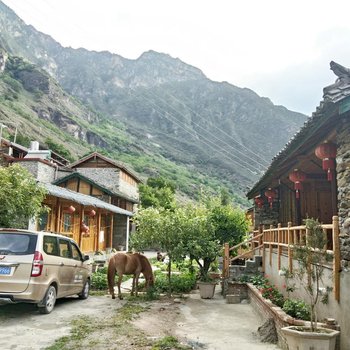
{"x": 91, "y": 333}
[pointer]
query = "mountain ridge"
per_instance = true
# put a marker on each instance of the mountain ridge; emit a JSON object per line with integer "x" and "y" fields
{"x": 165, "y": 107}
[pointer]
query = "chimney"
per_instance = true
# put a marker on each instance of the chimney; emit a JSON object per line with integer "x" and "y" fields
{"x": 34, "y": 146}
{"x": 34, "y": 152}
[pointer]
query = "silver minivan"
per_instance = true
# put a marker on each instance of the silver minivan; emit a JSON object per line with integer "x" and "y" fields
{"x": 39, "y": 267}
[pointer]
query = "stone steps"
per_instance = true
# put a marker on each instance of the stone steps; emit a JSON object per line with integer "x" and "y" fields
{"x": 250, "y": 268}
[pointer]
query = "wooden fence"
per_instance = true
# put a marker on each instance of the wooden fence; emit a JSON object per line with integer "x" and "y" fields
{"x": 281, "y": 241}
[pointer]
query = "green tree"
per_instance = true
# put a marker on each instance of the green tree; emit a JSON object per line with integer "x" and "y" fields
{"x": 20, "y": 197}
{"x": 158, "y": 192}
{"x": 160, "y": 228}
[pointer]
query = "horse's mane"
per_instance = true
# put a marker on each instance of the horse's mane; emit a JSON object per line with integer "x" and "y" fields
{"x": 144, "y": 261}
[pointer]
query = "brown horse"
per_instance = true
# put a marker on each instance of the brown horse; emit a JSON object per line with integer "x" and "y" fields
{"x": 129, "y": 264}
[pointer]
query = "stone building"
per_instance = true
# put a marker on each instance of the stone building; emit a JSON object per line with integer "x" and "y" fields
{"x": 90, "y": 200}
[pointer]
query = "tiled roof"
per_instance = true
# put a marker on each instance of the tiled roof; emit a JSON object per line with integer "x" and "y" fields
{"x": 83, "y": 199}
{"x": 332, "y": 94}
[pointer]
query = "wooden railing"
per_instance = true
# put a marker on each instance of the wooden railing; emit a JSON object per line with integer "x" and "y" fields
{"x": 281, "y": 241}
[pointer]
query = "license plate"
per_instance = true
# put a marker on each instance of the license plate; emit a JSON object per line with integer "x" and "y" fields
{"x": 5, "y": 270}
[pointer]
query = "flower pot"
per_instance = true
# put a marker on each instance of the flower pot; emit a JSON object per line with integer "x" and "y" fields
{"x": 206, "y": 289}
{"x": 301, "y": 338}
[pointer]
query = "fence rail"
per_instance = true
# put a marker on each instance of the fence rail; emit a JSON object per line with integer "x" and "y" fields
{"x": 282, "y": 240}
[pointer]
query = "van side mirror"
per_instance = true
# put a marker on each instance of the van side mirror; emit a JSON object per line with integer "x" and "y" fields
{"x": 86, "y": 257}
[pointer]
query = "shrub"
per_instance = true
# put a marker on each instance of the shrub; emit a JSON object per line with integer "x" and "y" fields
{"x": 272, "y": 293}
{"x": 99, "y": 281}
{"x": 181, "y": 283}
{"x": 297, "y": 309}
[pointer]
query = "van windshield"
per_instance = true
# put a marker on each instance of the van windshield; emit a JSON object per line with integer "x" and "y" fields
{"x": 17, "y": 244}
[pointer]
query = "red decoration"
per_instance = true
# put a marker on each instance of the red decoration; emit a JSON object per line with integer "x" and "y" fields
{"x": 259, "y": 201}
{"x": 270, "y": 194}
{"x": 327, "y": 152}
{"x": 84, "y": 228}
{"x": 71, "y": 209}
{"x": 92, "y": 213}
{"x": 297, "y": 176}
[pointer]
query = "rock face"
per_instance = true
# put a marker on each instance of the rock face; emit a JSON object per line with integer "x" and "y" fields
{"x": 170, "y": 107}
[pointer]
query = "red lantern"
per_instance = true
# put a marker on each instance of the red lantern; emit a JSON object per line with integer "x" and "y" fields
{"x": 259, "y": 201}
{"x": 327, "y": 152}
{"x": 84, "y": 228}
{"x": 297, "y": 176}
{"x": 92, "y": 213}
{"x": 71, "y": 209}
{"x": 270, "y": 194}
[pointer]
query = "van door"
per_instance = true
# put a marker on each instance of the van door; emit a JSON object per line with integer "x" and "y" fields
{"x": 16, "y": 259}
{"x": 81, "y": 272}
{"x": 66, "y": 267}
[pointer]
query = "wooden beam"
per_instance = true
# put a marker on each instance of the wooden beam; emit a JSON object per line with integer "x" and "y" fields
{"x": 279, "y": 247}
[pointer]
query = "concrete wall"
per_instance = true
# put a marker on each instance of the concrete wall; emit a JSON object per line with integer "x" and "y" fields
{"x": 339, "y": 311}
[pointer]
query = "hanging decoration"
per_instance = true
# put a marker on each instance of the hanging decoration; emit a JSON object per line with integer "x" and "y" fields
{"x": 92, "y": 213}
{"x": 327, "y": 151}
{"x": 271, "y": 195}
{"x": 85, "y": 230}
{"x": 259, "y": 201}
{"x": 71, "y": 209}
{"x": 298, "y": 177}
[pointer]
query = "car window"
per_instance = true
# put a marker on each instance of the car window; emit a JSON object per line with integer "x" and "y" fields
{"x": 51, "y": 245}
{"x": 65, "y": 250}
{"x": 76, "y": 252}
{"x": 17, "y": 244}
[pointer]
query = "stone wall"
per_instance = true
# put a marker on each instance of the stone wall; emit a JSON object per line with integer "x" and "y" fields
{"x": 42, "y": 172}
{"x": 265, "y": 215}
{"x": 343, "y": 183}
{"x": 109, "y": 178}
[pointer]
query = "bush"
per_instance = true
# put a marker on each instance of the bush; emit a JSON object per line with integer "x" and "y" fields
{"x": 297, "y": 309}
{"x": 99, "y": 281}
{"x": 180, "y": 283}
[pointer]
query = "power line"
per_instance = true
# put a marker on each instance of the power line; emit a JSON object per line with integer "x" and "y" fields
{"x": 214, "y": 136}
{"x": 222, "y": 131}
{"x": 211, "y": 144}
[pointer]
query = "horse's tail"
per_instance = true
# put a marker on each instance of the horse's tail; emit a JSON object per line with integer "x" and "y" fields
{"x": 111, "y": 276}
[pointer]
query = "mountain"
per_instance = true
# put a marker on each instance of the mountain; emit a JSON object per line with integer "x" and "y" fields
{"x": 158, "y": 113}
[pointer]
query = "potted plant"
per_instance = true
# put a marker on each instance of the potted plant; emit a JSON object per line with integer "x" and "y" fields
{"x": 312, "y": 256}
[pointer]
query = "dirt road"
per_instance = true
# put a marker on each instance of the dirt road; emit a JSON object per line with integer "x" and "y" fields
{"x": 200, "y": 324}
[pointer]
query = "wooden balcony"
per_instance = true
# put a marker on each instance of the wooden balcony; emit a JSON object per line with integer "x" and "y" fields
{"x": 281, "y": 241}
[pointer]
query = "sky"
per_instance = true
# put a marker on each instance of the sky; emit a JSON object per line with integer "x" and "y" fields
{"x": 281, "y": 49}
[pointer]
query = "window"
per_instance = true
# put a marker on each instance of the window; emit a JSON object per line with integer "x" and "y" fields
{"x": 76, "y": 252}
{"x": 65, "y": 250}
{"x": 51, "y": 245}
{"x": 67, "y": 222}
{"x": 17, "y": 244}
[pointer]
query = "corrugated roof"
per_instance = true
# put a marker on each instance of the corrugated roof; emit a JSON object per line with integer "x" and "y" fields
{"x": 83, "y": 199}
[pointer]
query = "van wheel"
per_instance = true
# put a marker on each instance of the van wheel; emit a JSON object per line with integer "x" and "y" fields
{"x": 85, "y": 292}
{"x": 48, "y": 303}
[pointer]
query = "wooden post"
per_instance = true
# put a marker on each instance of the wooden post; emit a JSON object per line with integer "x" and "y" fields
{"x": 270, "y": 246}
{"x": 81, "y": 217}
{"x": 279, "y": 247}
{"x": 111, "y": 229}
{"x": 226, "y": 261}
{"x": 336, "y": 258}
{"x": 261, "y": 238}
{"x": 58, "y": 215}
{"x": 290, "y": 249}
